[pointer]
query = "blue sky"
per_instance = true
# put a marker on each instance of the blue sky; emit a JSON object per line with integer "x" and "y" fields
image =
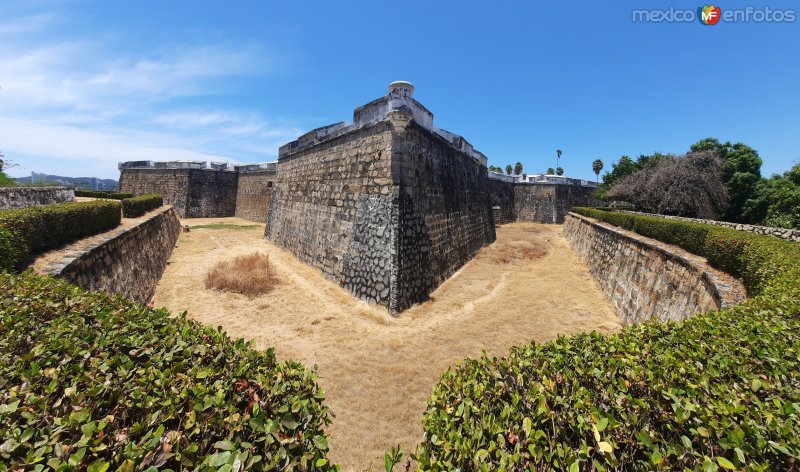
{"x": 86, "y": 84}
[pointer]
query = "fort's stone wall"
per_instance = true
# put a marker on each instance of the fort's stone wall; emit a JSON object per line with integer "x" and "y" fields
{"x": 332, "y": 207}
{"x": 501, "y": 195}
{"x": 23, "y": 197}
{"x": 253, "y": 194}
{"x": 194, "y": 193}
{"x": 783, "y": 233}
{"x": 126, "y": 261}
{"x": 646, "y": 279}
{"x": 444, "y": 211}
{"x": 549, "y": 203}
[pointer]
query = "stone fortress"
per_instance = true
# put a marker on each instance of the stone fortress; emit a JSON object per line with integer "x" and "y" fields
{"x": 388, "y": 206}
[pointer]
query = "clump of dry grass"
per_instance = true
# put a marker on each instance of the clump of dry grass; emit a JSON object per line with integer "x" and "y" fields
{"x": 249, "y": 275}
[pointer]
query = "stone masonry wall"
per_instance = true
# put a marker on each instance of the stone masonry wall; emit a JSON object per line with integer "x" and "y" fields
{"x": 645, "y": 279}
{"x": 129, "y": 261}
{"x": 194, "y": 193}
{"x": 502, "y": 198}
{"x": 23, "y": 197}
{"x": 445, "y": 214}
{"x": 783, "y": 233}
{"x": 549, "y": 203}
{"x": 172, "y": 184}
{"x": 332, "y": 207}
{"x": 212, "y": 194}
{"x": 253, "y": 194}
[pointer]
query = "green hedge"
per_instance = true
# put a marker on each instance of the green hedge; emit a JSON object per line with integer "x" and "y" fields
{"x": 37, "y": 229}
{"x": 138, "y": 206}
{"x": 95, "y": 382}
{"x": 100, "y": 194}
{"x": 718, "y": 391}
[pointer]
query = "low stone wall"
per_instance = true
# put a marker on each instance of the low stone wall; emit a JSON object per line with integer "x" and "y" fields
{"x": 23, "y": 197}
{"x": 646, "y": 279}
{"x": 126, "y": 261}
{"x": 783, "y": 233}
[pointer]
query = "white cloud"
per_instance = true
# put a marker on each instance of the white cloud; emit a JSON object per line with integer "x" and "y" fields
{"x": 80, "y": 105}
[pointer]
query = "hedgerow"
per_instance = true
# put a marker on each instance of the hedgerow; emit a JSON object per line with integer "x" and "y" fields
{"x": 101, "y": 194}
{"x": 137, "y": 206}
{"x": 94, "y": 382}
{"x": 33, "y": 230}
{"x": 720, "y": 390}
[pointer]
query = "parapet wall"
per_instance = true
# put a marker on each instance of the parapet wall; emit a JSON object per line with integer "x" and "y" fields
{"x": 127, "y": 261}
{"x": 783, "y": 233}
{"x": 23, "y": 197}
{"x": 501, "y": 194}
{"x": 646, "y": 279}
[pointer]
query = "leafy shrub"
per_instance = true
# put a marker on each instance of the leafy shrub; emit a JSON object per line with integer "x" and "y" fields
{"x": 138, "y": 206}
{"x": 720, "y": 390}
{"x": 41, "y": 228}
{"x": 100, "y": 194}
{"x": 95, "y": 382}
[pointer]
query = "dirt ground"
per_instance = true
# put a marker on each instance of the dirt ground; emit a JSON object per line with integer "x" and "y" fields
{"x": 378, "y": 370}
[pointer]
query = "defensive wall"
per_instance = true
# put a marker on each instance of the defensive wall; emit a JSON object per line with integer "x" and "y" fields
{"x": 127, "y": 261}
{"x": 23, "y": 197}
{"x": 388, "y": 206}
{"x": 645, "y": 279}
{"x": 196, "y": 190}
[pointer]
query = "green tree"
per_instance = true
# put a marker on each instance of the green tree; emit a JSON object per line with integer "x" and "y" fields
{"x": 508, "y": 169}
{"x": 551, "y": 171}
{"x": 518, "y": 168}
{"x": 625, "y": 166}
{"x": 742, "y": 173}
{"x": 597, "y": 166}
{"x": 5, "y": 180}
{"x": 775, "y": 201}
{"x": 559, "y": 171}
{"x": 558, "y": 156}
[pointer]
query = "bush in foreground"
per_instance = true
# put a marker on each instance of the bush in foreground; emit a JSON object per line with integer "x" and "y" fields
{"x": 138, "y": 206}
{"x": 249, "y": 275}
{"x": 100, "y": 194}
{"x": 33, "y": 230}
{"x": 718, "y": 391}
{"x": 94, "y": 382}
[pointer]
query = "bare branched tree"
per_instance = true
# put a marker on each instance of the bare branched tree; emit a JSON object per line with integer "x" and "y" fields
{"x": 690, "y": 185}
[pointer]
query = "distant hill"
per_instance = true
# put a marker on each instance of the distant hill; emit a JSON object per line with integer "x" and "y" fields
{"x": 92, "y": 183}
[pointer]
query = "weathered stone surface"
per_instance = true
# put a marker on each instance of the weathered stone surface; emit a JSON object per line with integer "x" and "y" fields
{"x": 646, "y": 279}
{"x": 783, "y": 233}
{"x": 388, "y": 210}
{"x": 194, "y": 193}
{"x": 253, "y": 194}
{"x": 501, "y": 195}
{"x": 23, "y": 197}
{"x": 128, "y": 262}
{"x": 549, "y": 203}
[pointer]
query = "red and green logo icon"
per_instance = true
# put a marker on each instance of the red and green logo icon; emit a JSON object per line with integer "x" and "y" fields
{"x": 709, "y": 14}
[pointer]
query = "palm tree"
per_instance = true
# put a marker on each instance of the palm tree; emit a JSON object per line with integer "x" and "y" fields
{"x": 597, "y": 166}
{"x": 558, "y": 156}
{"x": 509, "y": 169}
{"x": 518, "y": 168}
{"x": 559, "y": 171}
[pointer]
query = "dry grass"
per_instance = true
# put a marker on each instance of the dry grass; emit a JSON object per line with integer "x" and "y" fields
{"x": 377, "y": 370}
{"x": 249, "y": 275}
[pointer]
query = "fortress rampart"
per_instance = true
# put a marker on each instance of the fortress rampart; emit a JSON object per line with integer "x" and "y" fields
{"x": 387, "y": 205}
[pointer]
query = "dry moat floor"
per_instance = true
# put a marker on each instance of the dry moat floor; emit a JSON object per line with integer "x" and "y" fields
{"x": 378, "y": 370}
